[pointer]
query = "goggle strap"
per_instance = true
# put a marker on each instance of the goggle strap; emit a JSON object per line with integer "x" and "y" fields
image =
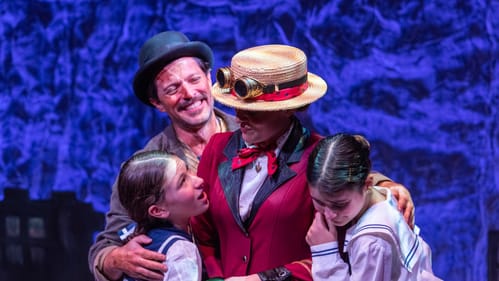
{"x": 280, "y": 95}
{"x": 290, "y": 84}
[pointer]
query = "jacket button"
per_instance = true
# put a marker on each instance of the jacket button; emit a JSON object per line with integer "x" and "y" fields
{"x": 245, "y": 259}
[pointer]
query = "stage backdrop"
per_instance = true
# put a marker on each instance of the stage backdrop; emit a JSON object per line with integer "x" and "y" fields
{"x": 417, "y": 78}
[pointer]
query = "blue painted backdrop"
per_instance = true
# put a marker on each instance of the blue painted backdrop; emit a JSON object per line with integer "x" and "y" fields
{"x": 418, "y": 78}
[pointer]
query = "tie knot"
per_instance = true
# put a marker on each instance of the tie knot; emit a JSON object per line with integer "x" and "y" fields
{"x": 252, "y": 151}
{"x": 249, "y": 154}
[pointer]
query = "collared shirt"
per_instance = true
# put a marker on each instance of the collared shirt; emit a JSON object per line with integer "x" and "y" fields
{"x": 254, "y": 176}
{"x": 191, "y": 159}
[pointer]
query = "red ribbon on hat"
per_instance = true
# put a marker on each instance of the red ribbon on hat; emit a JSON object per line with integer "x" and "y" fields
{"x": 247, "y": 155}
{"x": 280, "y": 95}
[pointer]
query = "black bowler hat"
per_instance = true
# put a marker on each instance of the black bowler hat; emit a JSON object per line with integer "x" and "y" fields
{"x": 160, "y": 50}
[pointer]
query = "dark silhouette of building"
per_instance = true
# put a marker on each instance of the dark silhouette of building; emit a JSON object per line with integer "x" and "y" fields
{"x": 493, "y": 255}
{"x": 46, "y": 239}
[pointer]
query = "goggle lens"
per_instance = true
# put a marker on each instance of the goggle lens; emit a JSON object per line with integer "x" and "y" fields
{"x": 246, "y": 87}
{"x": 224, "y": 77}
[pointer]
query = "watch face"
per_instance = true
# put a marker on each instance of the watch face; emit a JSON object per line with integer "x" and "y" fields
{"x": 277, "y": 274}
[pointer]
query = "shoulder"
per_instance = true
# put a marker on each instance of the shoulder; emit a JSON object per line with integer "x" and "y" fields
{"x": 182, "y": 249}
{"x": 216, "y": 146}
{"x": 382, "y": 222}
{"x": 220, "y": 139}
{"x": 380, "y": 217}
{"x": 162, "y": 140}
{"x": 230, "y": 120}
{"x": 183, "y": 261}
{"x": 371, "y": 244}
{"x": 315, "y": 138}
{"x": 164, "y": 237}
{"x": 312, "y": 141}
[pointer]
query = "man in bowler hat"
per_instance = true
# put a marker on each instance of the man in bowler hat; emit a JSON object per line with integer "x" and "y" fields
{"x": 173, "y": 77}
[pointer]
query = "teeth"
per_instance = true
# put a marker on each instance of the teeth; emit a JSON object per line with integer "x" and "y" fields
{"x": 193, "y": 105}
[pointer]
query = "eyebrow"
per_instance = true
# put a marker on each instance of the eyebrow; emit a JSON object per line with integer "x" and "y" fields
{"x": 182, "y": 176}
{"x": 343, "y": 201}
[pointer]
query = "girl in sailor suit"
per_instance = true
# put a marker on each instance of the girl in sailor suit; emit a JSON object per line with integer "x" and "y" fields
{"x": 379, "y": 244}
{"x": 160, "y": 194}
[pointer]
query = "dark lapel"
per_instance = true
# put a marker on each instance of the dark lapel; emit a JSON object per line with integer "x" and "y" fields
{"x": 231, "y": 180}
{"x": 291, "y": 153}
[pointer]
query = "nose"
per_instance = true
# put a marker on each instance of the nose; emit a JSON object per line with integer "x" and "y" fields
{"x": 197, "y": 182}
{"x": 188, "y": 90}
{"x": 329, "y": 214}
{"x": 241, "y": 116}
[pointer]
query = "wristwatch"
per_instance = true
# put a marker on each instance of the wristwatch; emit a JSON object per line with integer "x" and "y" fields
{"x": 275, "y": 274}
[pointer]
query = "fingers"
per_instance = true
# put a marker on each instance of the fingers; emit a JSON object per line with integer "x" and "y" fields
{"x": 136, "y": 246}
{"x": 321, "y": 221}
{"x": 328, "y": 224}
{"x": 400, "y": 196}
{"x": 139, "y": 267}
{"x": 318, "y": 232}
{"x": 145, "y": 274}
{"x": 151, "y": 255}
{"x": 406, "y": 207}
{"x": 402, "y": 204}
{"x": 138, "y": 262}
{"x": 404, "y": 201}
{"x": 141, "y": 239}
{"x": 409, "y": 215}
{"x": 395, "y": 192}
{"x": 314, "y": 227}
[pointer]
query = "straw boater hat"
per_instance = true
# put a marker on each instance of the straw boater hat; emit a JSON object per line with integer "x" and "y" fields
{"x": 268, "y": 78}
{"x": 160, "y": 50}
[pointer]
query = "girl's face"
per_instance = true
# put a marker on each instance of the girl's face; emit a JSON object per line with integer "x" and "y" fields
{"x": 184, "y": 196}
{"x": 259, "y": 127}
{"x": 341, "y": 207}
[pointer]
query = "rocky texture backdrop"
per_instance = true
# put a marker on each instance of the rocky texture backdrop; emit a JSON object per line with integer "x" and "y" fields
{"x": 418, "y": 78}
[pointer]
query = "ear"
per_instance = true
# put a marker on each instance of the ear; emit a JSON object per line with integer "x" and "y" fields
{"x": 368, "y": 183}
{"x": 158, "y": 212}
{"x": 208, "y": 76}
{"x": 157, "y": 104}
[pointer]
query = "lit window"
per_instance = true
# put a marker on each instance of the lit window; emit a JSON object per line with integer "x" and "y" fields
{"x": 12, "y": 226}
{"x": 36, "y": 227}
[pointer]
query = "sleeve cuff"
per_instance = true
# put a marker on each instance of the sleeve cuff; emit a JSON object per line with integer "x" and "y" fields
{"x": 378, "y": 177}
{"x": 99, "y": 264}
{"x": 324, "y": 249}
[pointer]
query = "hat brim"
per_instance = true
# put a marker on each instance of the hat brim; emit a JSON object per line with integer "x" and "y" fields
{"x": 148, "y": 72}
{"x": 317, "y": 88}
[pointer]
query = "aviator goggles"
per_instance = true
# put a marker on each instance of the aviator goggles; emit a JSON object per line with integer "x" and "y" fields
{"x": 249, "y": 88}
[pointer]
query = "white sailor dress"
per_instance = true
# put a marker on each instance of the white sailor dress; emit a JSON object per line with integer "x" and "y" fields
{"x": 380, "y": 246}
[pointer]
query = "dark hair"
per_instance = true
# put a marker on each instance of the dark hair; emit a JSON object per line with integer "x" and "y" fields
{"x": 339, "y": 162}
{"x": 153, "y": 92}
{"x": 140, "y": 185}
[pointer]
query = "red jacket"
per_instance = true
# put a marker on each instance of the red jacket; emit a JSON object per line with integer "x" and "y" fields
{"x": 274, "y": 234}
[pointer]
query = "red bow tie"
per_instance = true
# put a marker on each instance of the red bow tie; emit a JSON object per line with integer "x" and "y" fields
{"x": 249, "y": 154}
